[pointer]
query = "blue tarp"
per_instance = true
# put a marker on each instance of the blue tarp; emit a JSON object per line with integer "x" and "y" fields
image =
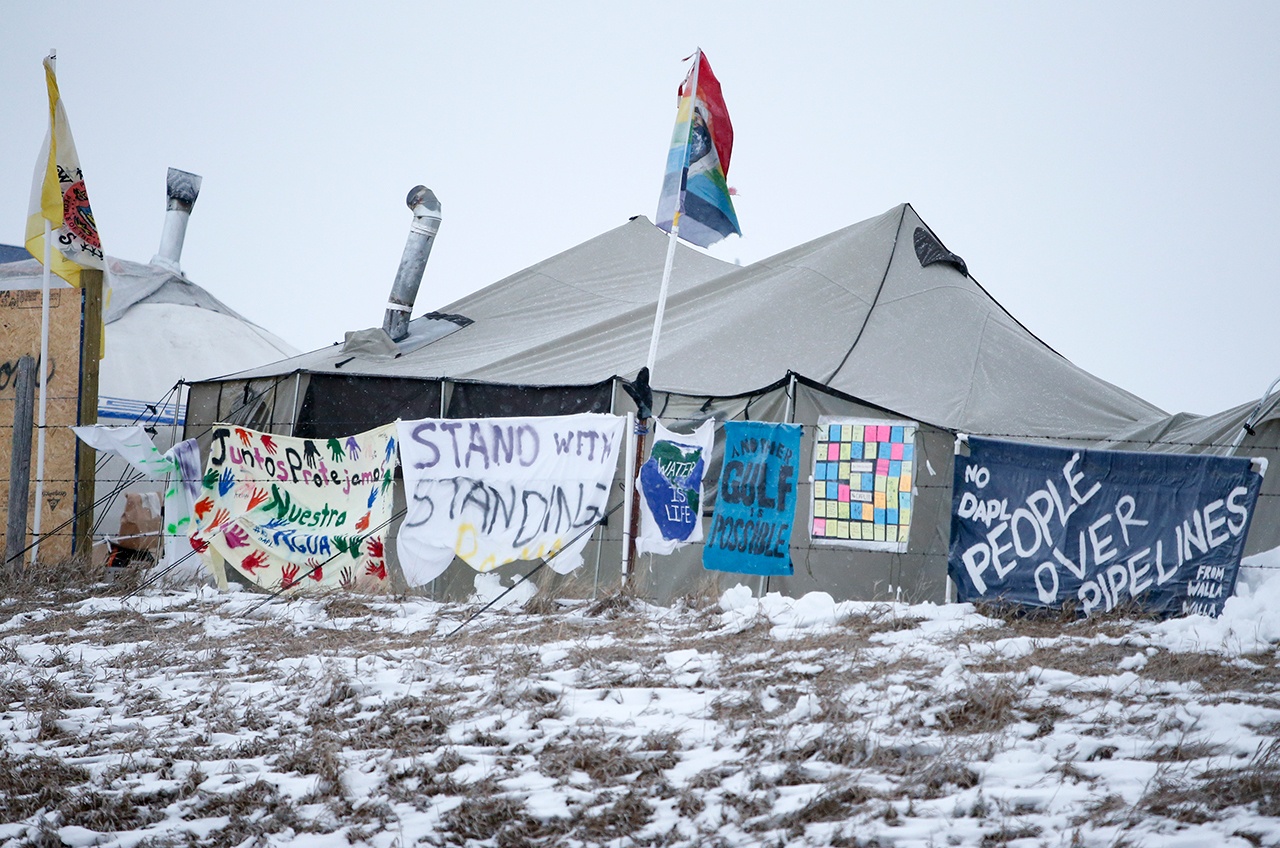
{"x": 13, "y": 253}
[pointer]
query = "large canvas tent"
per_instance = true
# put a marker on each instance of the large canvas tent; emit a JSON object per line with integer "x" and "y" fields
{"x": 878, "y": 320}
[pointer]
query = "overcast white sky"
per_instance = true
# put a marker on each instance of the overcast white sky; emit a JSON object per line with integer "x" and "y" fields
{"x": 1108, "y": 170}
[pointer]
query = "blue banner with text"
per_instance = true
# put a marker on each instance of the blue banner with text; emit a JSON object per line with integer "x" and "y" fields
{"x": 756, "y": 499}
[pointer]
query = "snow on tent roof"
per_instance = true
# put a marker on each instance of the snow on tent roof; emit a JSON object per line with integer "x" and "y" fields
{"x": 131, "y": 283}
{"x": 857, "y": 310}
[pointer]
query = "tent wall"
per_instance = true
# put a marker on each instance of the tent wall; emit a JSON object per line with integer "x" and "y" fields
{"x": 1216, "y": 434}
{"x": 325, "y": 406}
{"x": 492, "y": 400}
{"x": 917, "y": 574}
{"x": 270, "y": 404}
{"x": 334, "y": 406}
{"x": 1264, "y": 530}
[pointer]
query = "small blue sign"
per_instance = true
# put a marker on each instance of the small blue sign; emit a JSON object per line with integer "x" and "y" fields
{"x": 756, "y": 499}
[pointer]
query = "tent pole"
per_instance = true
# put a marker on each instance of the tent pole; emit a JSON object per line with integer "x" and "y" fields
{"x": 692, "y": 94}
{"x": 1247, "y": 426}
{"x": 443, "y": 384}
{"x": 595, "y": 581}
{"x": 642, "y": 424}
{"x": 629, "y": 501}
{"x": 662, "y": 294}
{"x": 790, "y": 417}
{"x": 636, "y": 458}
{"x": 293, "y": 413}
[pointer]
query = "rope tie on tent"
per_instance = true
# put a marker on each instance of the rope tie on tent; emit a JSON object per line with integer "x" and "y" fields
{"x": 875, "y": 300}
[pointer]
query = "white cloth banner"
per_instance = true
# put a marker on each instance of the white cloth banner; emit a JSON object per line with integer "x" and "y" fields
{"x": 670, "y": 488}
{"x": 298, "y": 514}
{"x": 181, "y": 464}
{"x": 132, "y": 444}
{"x": 496, "y": 490}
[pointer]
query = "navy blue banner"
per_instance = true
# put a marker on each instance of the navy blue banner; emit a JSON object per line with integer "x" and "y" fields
{"x": 756, "y": 501}
{"x": 1049, "y": 527}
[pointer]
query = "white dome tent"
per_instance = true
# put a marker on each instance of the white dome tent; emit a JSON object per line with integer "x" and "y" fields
{"x": 158, "y": 330}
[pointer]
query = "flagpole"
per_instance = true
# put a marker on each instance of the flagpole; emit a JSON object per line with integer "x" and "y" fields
{"x": 642, "y": 424}
{"x": 675, "y": 224}
{"x": 672, "y": 238}
{"x": 44, "y": 379}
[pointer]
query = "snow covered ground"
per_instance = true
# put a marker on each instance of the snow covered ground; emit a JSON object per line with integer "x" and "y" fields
{"x": 196, "y": 718}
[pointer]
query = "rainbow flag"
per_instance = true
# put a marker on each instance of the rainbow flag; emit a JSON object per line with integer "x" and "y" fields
{"x": 58, "y": 196}
{"x": 695, "y": 200}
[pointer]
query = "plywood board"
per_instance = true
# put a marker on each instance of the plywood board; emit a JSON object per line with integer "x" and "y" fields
{"x": 19, "y": 336}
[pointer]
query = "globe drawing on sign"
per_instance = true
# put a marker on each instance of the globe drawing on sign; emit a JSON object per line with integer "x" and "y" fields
{"x": 672, "y": 482}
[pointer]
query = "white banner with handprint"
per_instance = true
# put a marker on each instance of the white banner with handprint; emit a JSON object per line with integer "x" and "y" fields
{"x": 298, "y": 514}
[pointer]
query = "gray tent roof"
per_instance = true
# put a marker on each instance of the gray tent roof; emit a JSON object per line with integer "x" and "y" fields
{"x": 526, "y": 328}
{"x": 858, "y": 310}
{"x": 1185, "y": 432}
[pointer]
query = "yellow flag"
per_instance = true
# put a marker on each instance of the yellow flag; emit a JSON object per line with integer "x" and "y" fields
{"x": 58, "y": 196}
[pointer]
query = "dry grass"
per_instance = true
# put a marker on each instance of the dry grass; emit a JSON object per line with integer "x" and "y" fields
{"x": 467, "y": 715}
{"x": 835, "y": 804}
{"x": 317, "y": 755}
{"x": 30, "y": 783}
{"x": 988, "y": 706}
{"x": 404, "y": 726}
{"x": 621, "y": 818}
{"x": 881, "y": 618}
{"x": 501, "y": 818}
{"x": 73, "y": 577}
{"x": 1201, "y": 798}
{"x": 604, "y": 762}
{"x": 1212, "y": 671}
{"x": 257, "y": 810}
{"x": 612, "y": 605}
{"x": 343, "y": 605}
{"x": 1257, "y": 783}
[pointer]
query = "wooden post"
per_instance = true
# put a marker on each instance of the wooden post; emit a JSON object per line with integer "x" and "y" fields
{"x": 633, "y": 520}
{"x": 15, "y": 537}
{"x": 91, "y": 353}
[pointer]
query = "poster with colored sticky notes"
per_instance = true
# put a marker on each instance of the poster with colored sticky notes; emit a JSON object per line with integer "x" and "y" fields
{"x": 863, "y": 483}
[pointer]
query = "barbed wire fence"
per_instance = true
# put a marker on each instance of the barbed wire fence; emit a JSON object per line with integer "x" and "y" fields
{"x": 256, "y": 397}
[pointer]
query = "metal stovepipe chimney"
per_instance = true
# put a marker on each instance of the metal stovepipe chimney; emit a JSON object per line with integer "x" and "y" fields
{"x": 182, "y": 189}
{"x": 422, "y": 234}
